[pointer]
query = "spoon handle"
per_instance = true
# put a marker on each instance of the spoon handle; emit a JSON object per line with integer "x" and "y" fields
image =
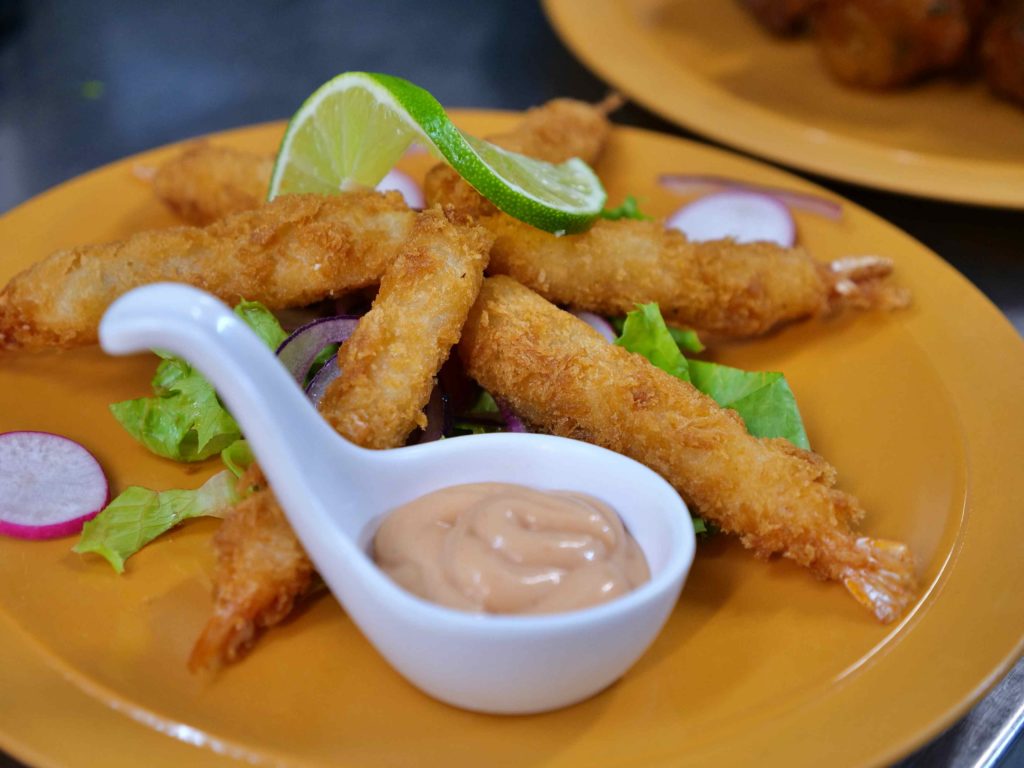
{"x": 303, "y": 458}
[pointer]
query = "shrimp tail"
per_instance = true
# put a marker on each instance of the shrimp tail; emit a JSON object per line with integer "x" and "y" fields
{"x": 861, "y": 282}
{"x": 884, "y": 580}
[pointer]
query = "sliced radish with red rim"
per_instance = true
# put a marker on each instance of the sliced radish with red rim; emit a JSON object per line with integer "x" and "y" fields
{"x": 402, "y": 182}
{"x": 688, "y": 184}
{"x": 744, "y": 216}
{"x": 49, "y": 485}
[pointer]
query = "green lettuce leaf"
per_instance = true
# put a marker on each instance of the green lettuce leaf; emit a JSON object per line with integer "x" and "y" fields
{"x": 138, "y": 515}
{"x": 484, "y": 407}
{"x": 629, "y": 209}
{"x": 763, "y": 399}
{"x": 186, "y": 421}
{"x": 685, "y": 339}
{"x": 321, "y": 359}
{"x": 262, "y": 320}
{"x": 238, "y": 457}
{"x": 645, "y": 333}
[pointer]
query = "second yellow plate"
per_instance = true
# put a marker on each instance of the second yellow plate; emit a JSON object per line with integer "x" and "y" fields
{"x": 709, "y": 67}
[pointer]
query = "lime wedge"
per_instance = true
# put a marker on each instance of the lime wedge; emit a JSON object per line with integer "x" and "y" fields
{"x": 354, "y": 128}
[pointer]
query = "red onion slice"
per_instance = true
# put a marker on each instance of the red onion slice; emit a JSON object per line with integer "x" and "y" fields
{"x": 318, "y": 385}
{"x": 512, "y": 422}
{"x": 744, "y": 216}
{"x": 598, "y": 323}
{"x": 439, "y": 420}
{"x": 403, "y": 182}
{"x": 299, "y": 350}
{"x": 689, "y": 184}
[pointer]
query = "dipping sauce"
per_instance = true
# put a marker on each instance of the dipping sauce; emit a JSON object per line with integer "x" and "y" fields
{"x": 502, "y": 548}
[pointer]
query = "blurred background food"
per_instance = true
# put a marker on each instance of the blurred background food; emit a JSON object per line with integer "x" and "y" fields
{"x": 884, "y": 44}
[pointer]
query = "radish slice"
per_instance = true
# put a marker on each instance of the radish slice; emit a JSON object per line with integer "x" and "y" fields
{"x": 49, "y": 485}
{"x": 599, "y": 324}
{"x": 688, "y": 184}
{"x": 747, "y": 217}
{"x": 299, "y": 350}
{"x": 403, "y": 182}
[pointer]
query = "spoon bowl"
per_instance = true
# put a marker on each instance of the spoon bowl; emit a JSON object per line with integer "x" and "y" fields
{"x": 335, "y": 494}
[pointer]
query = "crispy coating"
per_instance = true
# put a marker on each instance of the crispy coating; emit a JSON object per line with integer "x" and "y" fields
{"x": 389, "y": 363}
{"x": 261, "y": 572}
{"x": 888, "y": 43}
{"x": 207, "y": 182}
{"x": 564, "y": 378}
{"x": 291, "y": 252}
{"x": 721, "y": 288}
{"x": 388, "y": 367}
{"x": 1002, "y": 51}
{"x": 554, "y": 132}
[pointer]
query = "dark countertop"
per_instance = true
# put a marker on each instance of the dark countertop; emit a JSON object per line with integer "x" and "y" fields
{"x": 82, "y": 84}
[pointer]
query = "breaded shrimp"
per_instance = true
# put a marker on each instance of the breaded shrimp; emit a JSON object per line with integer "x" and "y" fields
{"x": 389, "y": 363}
{"x": 554, "y": 132}
{"x": 289, "y": 253}
{"x": 207, "y": 182}
{"x": 720, "y": 287}
{"x": 564, "y": 378}
{"x": 388, "y": 369}
{"x": 261, "y": 573}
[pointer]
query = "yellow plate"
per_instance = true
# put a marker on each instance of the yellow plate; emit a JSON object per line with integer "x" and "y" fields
{"x": 709, "y": 67}
{"x": 920, "y": 410}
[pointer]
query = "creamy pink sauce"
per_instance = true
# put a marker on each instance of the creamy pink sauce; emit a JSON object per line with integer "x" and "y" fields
{"x": 501, "y": 548}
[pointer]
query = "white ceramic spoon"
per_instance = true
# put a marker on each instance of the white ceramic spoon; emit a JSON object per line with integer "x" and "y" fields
{"x": 335, "y": 494}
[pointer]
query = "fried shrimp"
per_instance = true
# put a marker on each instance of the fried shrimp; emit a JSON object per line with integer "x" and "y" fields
{"x": 389, "y": 363}
{"x": 207, "y": 182}
{"x": 553, "y": 132}
{"x": 388, "y": 368}
{"x": 720, "y": 287}
{"x": 289, "y": 253}
{"x": 261, "y": 573}
{"x": 564, "y": 378}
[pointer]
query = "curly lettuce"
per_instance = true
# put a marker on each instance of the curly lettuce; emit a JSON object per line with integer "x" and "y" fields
{"x": 763, "y": 399}
{"x": 628, "y": 209}
{"x": 138, "y": 515}
{"x": 185, "y": 420}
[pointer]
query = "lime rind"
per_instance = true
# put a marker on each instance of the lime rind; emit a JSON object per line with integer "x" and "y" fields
{"x": 330, "y": 129}
{"x": 387, "y": 114}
